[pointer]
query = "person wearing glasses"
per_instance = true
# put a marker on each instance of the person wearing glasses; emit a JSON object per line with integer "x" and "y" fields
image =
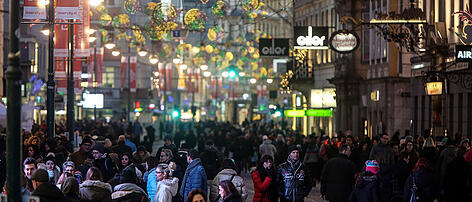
{"x": 167, "y": 186}
{"x": 80, "y": 156}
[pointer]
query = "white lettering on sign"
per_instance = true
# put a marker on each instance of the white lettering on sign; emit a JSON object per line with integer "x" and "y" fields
{"x": 464, "y": 54}
{"x": 310, "y": 40}
{"x": 273, "y": 50}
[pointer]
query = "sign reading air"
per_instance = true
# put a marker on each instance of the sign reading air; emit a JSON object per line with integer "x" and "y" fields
{"x": 273, "y": 47}
{"x": 463, "y": 53}
{"x": 311, "y": 37}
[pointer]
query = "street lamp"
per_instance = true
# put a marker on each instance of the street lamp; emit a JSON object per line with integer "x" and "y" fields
{"x": 92, "y": 39}
{"x": 183, "y": 66}
{"x": 252, "y": 80}
{"x": 142, "y": 53}
{"x": 242, "y": 74}
{"x": 153, "y": 60}
{"x": 110, "y": 45}
{"x": 115, "y": 53}
{"x": 95, "y": 2}
{"x": 91, "y": 31}
{"x": 204, "y": 67}
{"x": 45, "y": 31}
{"x": 176, "y": 60}
{"x": 156, "y": 74}
{"x": 206, "y": 74}
{"x": 270, "y": 81}
{"x": 225, "y": 74}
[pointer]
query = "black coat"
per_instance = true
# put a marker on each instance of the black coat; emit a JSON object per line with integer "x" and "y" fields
{"x": 366, "y": 190}
{"x": 107, "y": 167}
{"x": 337, "y": 178}
{"x": 232, "y": 198}
{"x": 457, "y": 174}
{"x": 293, "y": 180}
{"x": 48, "y": 192}
{"x": 426, "y": 183}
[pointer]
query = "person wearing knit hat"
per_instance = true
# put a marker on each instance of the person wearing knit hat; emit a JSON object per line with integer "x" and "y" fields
{"x": 294, "y": 178}
{"x": 103, "y": 162}
{"x": 43, "y": 189}
{"x": 372, "y": 166}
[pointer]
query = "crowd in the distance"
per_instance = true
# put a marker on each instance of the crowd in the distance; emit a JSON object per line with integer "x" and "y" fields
{"x": 208, "y": 161}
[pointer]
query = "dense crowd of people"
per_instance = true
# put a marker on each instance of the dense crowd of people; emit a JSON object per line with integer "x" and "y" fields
{"x": 205, "y": 161}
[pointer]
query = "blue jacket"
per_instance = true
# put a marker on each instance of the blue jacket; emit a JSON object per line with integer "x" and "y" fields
{"x": 130, "y": 144}
{"x": 151, "y": 184}
{"x": 194, "y": 178}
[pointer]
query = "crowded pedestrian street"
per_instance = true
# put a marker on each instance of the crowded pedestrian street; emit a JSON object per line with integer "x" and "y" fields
{"x": 235, "y": 101}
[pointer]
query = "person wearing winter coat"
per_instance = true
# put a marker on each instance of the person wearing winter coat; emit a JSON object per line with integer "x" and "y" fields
{"x": 128, "y": 190}
{"x": 293, "y": 178}
{"x": 228, "y": 192}
{"x": 93, "y": 188}
{"x": 46, "y": 191}
{"x": 228, "y": 173}
{"x": 211, "y": 160}
{"x": 195, "y": 176}
{"x": 103, "y": 162}
{"x": 337, "y": 176}
{"x": 367, "y": 184}
{"x": 70, "y": 188}
{"x": 167, "y": 186}
{"x": 424, "y": 181}
{"x": 267, "y": 148}
{"x": 457, "y": 177}
{"x": 265, "y": 188}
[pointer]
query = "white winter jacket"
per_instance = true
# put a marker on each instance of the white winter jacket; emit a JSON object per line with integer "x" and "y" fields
{"x": 166, "y": 189}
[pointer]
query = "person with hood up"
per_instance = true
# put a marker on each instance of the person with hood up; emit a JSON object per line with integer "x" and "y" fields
{"x": 70, "y": 188}
{"x": 228, "y": 173}
{"x": 46, "y": 191}
{"x": 167, "y": 186}
{"x": 127, "y": 190}
{"x": 93, "y": 188}
{"x": 267, "y": 148}
{"x": 367, "y": 185}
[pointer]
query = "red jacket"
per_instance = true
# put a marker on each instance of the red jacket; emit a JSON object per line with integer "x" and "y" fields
{"x": 260, "y": 188}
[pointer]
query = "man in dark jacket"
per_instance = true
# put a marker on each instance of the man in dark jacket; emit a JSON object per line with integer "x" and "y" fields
{"x": 457, "y": 175}
{"x": 46, "y": 191}
{"x": 293, "y": 178}
{"x": 337, "y": 176}
{"x": 103, "y": 162}
{"x": 383, "y": 152}
{"x": 194, "y": 177}
{"x": 211, "y": 160}
{"x": 121, "y": 148}
{"x": 167, "y": 145}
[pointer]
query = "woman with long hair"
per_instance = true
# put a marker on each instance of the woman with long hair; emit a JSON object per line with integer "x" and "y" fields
{"x": 422, "y": 183}
{"x": 228, "y": 192}
{"x": 264, "y": 180}
{"x": 367, "y": 187}
{"x": 167, "y": 186}
{"x": 93, "y": 188}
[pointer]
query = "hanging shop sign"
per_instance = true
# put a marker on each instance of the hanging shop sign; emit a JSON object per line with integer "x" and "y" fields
{"x": 311, "y": 37}
{"x": 344, "y": 41}
{"x": 67, "y": 9}
{"x": 463, "y": 53}
{"x": 319, "y": 112}
{"x": 295, "y": 113}
{"x": 34, "y": 9}
{"x": 434, "y": 88}
{"x": 273, "y": 47}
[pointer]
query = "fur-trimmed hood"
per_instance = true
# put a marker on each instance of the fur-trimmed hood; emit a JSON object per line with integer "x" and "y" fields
{"x": 125, "y": 189}
{"x": 95, "y": 190}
